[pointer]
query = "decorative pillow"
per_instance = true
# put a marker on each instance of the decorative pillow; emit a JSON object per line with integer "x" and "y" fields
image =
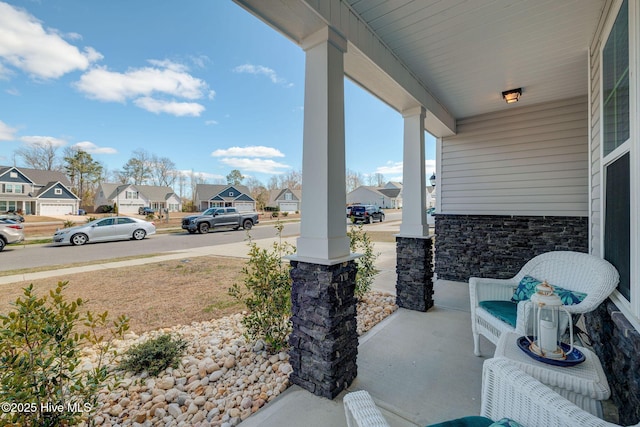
{"x": 506, "y": 422}
{"x": 527, "y": 287}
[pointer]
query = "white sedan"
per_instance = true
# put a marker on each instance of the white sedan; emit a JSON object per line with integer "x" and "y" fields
{"x": 105, "y": 229}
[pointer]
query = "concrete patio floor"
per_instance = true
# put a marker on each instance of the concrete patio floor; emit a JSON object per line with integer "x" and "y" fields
{"x": 418, "y": 367}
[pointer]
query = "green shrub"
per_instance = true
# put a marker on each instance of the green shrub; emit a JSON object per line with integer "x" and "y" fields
{"x": 359, "y": 242}
{"x": 68, "y": 224}
{"x": 267, "y": 293}
{"x": 40, "y": 356}
{"x": 91, "y": 218}
{"x": 285, "y": 213}
{"x": 154, "y": 355}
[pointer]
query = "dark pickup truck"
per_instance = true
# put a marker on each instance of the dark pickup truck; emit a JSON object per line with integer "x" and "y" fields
{"x": 219, "y": 217}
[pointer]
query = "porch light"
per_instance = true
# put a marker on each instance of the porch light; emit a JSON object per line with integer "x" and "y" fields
{"x": 512, "y": 95}
{"x": 547, "y": 308}
{"x": 432, "y": 179}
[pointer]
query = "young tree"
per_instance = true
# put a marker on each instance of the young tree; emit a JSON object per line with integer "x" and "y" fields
{"x": 258, "y": 191}
{"x": 138, "y": 168}
{"x": 235, "y": 177}
{"x": 354, "y": 180}
{"x": 82, "y": 171}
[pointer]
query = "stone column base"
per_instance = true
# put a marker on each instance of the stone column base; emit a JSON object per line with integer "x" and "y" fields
{"x": 414, "y": 286}
{"x": 324, "y": 340}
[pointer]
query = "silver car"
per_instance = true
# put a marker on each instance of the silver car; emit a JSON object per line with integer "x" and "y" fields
{"x": 105, "y": 229}
{"x": 10, "y": 232}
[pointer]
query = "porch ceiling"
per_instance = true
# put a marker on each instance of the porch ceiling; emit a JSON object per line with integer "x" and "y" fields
{"x": 462, "y": 53}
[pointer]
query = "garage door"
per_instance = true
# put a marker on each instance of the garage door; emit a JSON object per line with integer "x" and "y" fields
{"x": 288, "y": 207}
{"x": 55, "y": 209}
{"x": 244, "y": 206}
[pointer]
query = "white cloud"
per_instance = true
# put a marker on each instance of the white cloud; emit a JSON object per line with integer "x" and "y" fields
{"x": 104, "y": 85}
{"x": 42, "y": 53}
{"x": 392, "y": 171}
{"x": 391, "y": 168}
{"x": 252, "y": 151}
{"x": 92, "y": 148}
{"x": 203, "y": 175}
{"x": 43, "y": 140}
{"x": 147, "y": 86}
{"x": 211, "y": 122}
{"x": 262, "y": 70}
{"x": 6, "y": 132}
{"x": 255, "y": 165}
{"x": 170, "y": 107}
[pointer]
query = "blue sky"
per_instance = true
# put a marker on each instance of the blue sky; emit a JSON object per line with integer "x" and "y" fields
{"x": 202, "y": 82}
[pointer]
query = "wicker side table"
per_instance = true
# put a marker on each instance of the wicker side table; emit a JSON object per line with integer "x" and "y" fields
{"x": 584, "y": 384}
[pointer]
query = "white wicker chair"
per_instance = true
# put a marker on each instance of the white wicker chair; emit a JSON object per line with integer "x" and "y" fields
{"x": 508, "y": 392}
{"x": 361, "y": 411}
{"x": 571, "y": 270}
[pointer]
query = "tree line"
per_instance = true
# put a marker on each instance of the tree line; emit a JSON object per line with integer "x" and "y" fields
{"x": 144, "y": 168}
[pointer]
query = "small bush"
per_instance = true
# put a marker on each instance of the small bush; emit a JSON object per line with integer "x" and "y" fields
{"x": 154, "y": 355}
{"x": 267, "y": 293}
{"x": 91, "y": 218}
{"x": 359, "y": 242}
{"x": 68, "y": 224}
{"x": 285, "y": 213}
{"x": 40, "y": 356}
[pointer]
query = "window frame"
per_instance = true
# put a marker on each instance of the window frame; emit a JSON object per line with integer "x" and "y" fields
{"x": 630, "y": 307}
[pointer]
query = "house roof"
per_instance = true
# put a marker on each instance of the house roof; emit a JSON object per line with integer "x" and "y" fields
{"x": 51, "y": 185}
{"x": 392, "y": 193}
{"x": 39, "y": 177}
{"x": 278, "y": 195}
{"x": 454, "y": 58}
{"x": 151, "y": 192}
{"x": 209, "y": 191}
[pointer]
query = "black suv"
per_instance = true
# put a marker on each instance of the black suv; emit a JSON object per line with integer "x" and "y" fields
{"x": 146, "y": 211}
{"x": 366, "y": 214}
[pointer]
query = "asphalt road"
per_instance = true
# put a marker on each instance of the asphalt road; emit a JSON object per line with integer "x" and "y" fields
{"x": 29, "y": 256}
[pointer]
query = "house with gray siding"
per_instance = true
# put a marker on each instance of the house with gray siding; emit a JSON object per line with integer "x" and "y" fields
{"x": 36, "y": 192}
{"x": 555, "y": 168}
{"x": 216, "y": 195}
{"x": 129, "y": 197}
{"x": 285, "y": 200}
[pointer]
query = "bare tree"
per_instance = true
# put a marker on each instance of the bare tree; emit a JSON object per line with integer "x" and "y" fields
{"x": 40, "y": 155}
{"x": 163, "y": 171}
{"x": 291, "y": 180}
{"x": 353, "y": 180}
{"x": 376, "y": 180}
{"x": 258, "y": 191}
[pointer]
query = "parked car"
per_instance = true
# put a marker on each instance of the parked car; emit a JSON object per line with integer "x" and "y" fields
{"x": 10, "y": 232}
{"x": 219, "y": 217}
{"x": 105, "y": 229}
{"x": 12, "y": 216}
{"x": 366, "y": 214}
{"x": 146, "y": 211}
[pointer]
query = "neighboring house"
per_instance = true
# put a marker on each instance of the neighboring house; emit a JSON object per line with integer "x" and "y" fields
{"x": 285, "y": 200}
{"x": 212, "y": 195}
{"x": 388, "y": 197}
{"x": 553, "y": 168}
{"x": 130, "y": 197}
{"x": 36, "y": 192}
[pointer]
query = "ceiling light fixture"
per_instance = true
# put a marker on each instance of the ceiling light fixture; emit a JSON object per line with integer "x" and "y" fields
{"x": 512, "y": 95}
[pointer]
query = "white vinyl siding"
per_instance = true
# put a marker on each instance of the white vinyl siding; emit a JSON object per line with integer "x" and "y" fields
{"x": 531, "y": 160}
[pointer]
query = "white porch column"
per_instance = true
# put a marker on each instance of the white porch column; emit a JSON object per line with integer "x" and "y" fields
{"x": 414, "y": 219}
{"x": 323, "y": 229}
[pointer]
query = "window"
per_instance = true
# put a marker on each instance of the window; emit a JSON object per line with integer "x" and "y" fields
{"x": 619, "y": 149}
{"x": 130, "y": 194}
{"x": 615, "y": 83}
{"x": 105, "y": 222}
{"x": 13, "y": 174}
{"x": 57, "y": 191}
{"x": 125, "y": 221}
{"x": 288, "y": 196}
{"x": 230, "y": 193}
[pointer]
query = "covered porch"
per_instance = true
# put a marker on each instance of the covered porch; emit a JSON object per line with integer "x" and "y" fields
{"x": 534, "y": 108}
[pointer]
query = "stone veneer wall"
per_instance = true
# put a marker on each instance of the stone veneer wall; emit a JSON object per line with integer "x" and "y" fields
{"x": 617, "y": 344}
{"x": 498, "y": 246}
{"x": 414, "y": 269}
{"x": 324, "y": 339}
